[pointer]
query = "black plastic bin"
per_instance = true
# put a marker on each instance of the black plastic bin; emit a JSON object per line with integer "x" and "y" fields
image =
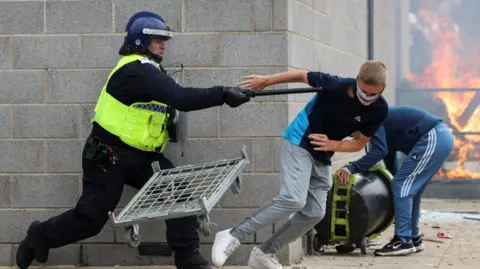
{"x": 356, "y": 212}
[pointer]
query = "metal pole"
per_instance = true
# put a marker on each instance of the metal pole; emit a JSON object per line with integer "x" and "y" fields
{"x": 370, "y": 29}
{"x": 251, "y": 93}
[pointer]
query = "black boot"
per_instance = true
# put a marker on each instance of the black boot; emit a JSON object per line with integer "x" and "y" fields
{"x": 191, "y": 259}
{"x": 25, "y": 254}
{"x": 41, "y": 253}
{"x": 31, "y": 248}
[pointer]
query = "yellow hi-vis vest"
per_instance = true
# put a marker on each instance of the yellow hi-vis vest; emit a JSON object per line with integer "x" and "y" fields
{"x": 140, "y": 125}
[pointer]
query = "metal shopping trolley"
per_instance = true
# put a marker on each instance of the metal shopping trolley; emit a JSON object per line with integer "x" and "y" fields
{"x": 189, "y": 190}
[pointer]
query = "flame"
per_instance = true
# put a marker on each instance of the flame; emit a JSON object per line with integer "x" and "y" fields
{"x": 449, "y": 69}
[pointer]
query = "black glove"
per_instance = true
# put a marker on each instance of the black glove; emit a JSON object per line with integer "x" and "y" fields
{"x": 235, "y": 96}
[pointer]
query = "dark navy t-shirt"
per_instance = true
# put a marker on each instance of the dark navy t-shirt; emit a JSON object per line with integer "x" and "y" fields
{"x": 400, "y": 131}
{"x": 334, "y": 113}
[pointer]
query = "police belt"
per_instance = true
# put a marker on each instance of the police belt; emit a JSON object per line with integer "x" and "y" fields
{"x": 101, "y": 154}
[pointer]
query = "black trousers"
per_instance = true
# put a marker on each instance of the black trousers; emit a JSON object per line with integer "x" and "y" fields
{"x": 101, "y": 193}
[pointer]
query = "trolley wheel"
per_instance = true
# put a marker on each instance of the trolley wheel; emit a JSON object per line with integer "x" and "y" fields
{"x": 132, "y": 236}
{"x": 344, "y": 249}
{"x": 236, "y": 186}
{"x": 204, "y": 224}
{"x": 364, "y": 245}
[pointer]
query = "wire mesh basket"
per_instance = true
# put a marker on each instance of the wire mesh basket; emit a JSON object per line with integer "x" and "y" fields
{"x": 189, "y": 190}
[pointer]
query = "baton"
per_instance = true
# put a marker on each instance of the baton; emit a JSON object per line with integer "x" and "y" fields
{"x": 253, "y": 94}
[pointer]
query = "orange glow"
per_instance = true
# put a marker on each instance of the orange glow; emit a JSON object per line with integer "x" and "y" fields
{"x": 449, "y": 70}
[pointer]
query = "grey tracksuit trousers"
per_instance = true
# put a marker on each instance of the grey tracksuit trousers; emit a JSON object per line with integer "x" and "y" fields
{"x": 304, "y": 184}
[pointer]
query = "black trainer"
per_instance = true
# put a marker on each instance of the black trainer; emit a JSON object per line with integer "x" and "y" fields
{"x": 190, "y": 260}
{"x": 396, "y": 248}
{"x": 30, "y": 248}
{"x": 418, "y": 243}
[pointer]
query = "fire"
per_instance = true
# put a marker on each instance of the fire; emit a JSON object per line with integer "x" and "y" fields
{"x": 447, "y": 70}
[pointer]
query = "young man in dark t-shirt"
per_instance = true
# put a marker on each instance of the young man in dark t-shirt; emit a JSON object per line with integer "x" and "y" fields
{"x": 344, "y": 106}
{"x": 427, "y": 142}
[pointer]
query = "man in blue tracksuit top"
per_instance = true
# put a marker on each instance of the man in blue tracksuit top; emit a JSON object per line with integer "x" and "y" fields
{"x": 427, "y": 142}
{"x": 345, "y": 106}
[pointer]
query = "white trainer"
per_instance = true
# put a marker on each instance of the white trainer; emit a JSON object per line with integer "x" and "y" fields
{"x": 223, "y": 246}
{"x": 259, "y": 260}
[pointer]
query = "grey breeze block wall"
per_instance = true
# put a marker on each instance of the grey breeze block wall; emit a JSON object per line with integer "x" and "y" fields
{"x": 54, "y": 59}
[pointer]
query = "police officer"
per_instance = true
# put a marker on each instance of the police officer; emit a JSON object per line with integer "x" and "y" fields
{"x": 130, "y": 131}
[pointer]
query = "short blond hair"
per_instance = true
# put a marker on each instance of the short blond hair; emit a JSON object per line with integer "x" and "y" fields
{"x": 373, "y": 72}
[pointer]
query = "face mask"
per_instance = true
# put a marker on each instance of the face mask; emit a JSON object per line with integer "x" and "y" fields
{"x": 365, "y": 99}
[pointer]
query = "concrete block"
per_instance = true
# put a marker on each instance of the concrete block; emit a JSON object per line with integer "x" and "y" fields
{"x": 214, "y": 77}
{"x": 359, "y": 13}
{"x": 75, "y": 86}
{"x": 36, "y": 52}
{"x": 323, "y": 6}
{"x": 5, "y": 62}
{"x": 308, "y": 3}
{"x": 170, "y": 10}
{"x": 106, "y": 236}
{"x": 118, "y": 255}
{"x": 343, "y": 12}
{"x": 5, "y": 122}
{"x": 264, "y": 234}
{"x": 21, "y": 17}
{"x": 301, "y": 51}
{"x": 86, "y": 115}
{"x": 280, "y": 14}
{"x": 357, "y": 43}
{"x": 203, "y": 123}
{"x": 22, "y": 87}
{"x": 207, "y": 150}
{"x": 21, "y": 156}
{"x": 218, "y": 15}
{"x": 226, "y": 219}
{"x": 239, "y": 258}
{"x": 323, "y": 28}
{"x": 64, "y": 156}
{"x": 253, "y": 49}
{"x": 6, "y": 255}
{"x": 257, "y": 190}
{"x": 293, "y": 110}
{"x": 69, "y": 254}
{"x": 152, "y": 231}
{"x": 261, "y": 16}
{"x": 263, "y": 71}
{"x": 127, "y": 195}
{"x": 100, "y": 51}
{"x": 186, "y": 49}
{"x": 270, "y": 71}
{"x": 331, "y": 60}
{"x": 317, "y": 57}
{"x": 277, "y": 143}
{"x": 40, "y": 121}
{"x": 4, "y": 193}
{"x": 262, "y": 155}
{"x": 29, "y": 191}
{"x": 16, "y": 221}
{"x": 303, "y": 17}
{"x": 79, "y": 16}
{"x": 254, "y": 119}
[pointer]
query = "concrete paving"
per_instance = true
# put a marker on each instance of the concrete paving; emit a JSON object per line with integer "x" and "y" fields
{"x": 462, "y": 251}
{"x": 459, "y": 252}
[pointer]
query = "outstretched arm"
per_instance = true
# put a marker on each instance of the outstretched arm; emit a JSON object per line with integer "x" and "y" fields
{"x": 378, "y": 152}
{"x": 162, "y": 88}
{"x": 314, "y": 79}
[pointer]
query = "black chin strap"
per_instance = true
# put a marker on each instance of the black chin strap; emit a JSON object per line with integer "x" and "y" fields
{"x": 157, "y": 58}
{"x": 126, "y": 50}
